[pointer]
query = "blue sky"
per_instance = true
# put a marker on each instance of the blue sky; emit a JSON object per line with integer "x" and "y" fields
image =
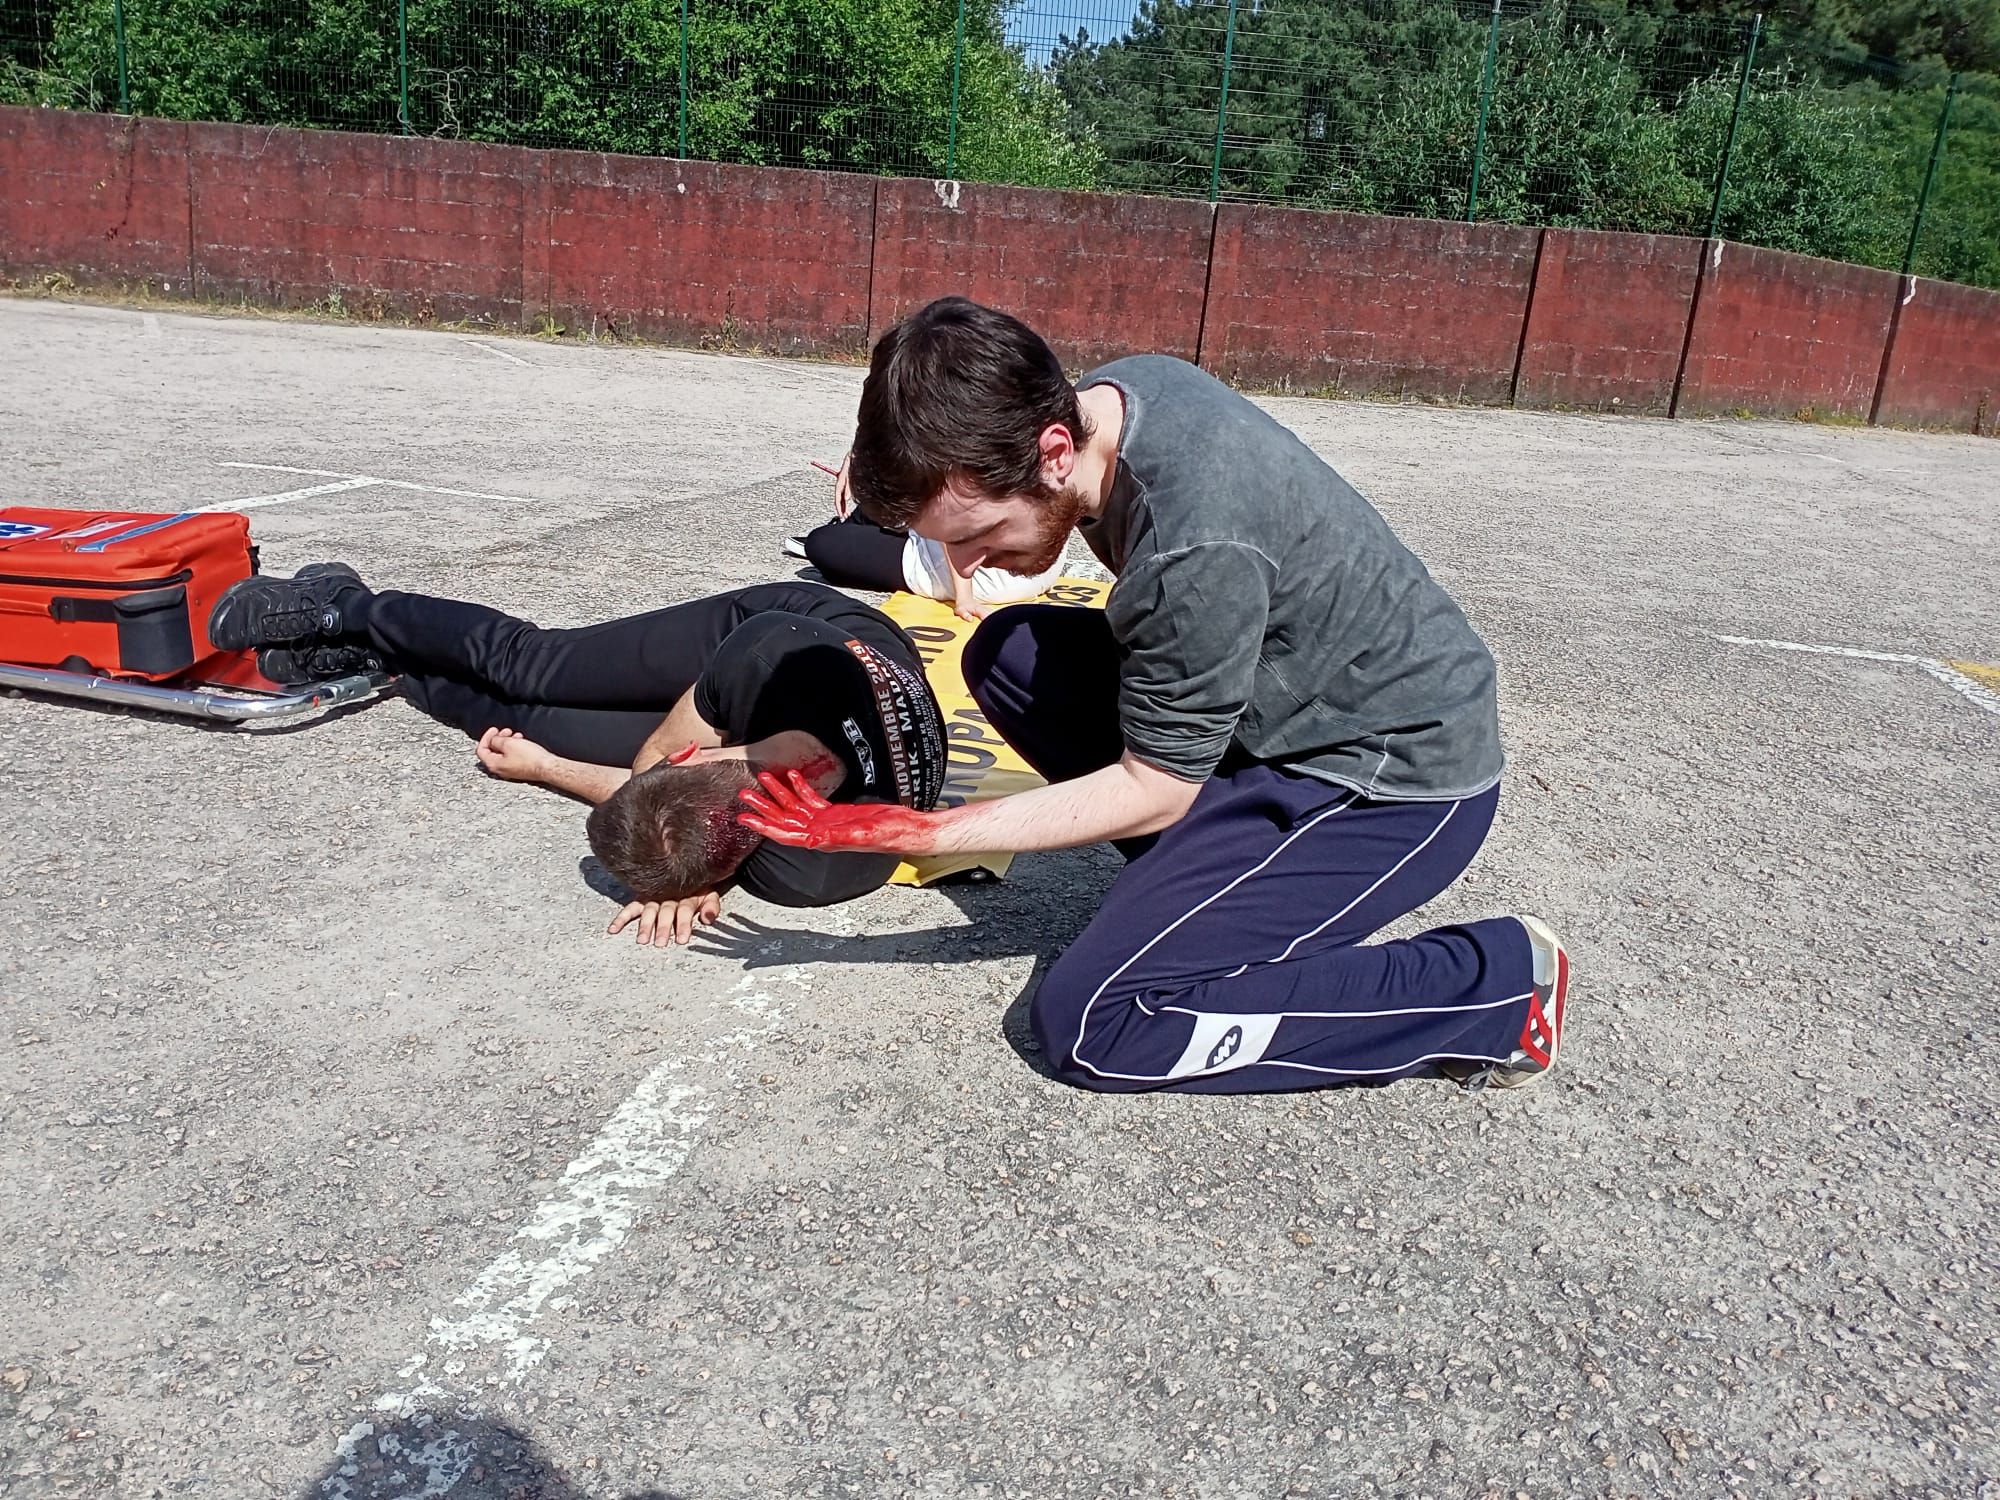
{"x": 1036, "y": 24}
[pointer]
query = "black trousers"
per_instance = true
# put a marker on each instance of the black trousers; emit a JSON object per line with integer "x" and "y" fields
{"x": 595, "y": 692}
{"x": 858, "y": 554}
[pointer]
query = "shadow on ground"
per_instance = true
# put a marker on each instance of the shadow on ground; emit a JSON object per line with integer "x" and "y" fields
{"x": 449, "y": 1457}
{"x": 1002, "y": 922}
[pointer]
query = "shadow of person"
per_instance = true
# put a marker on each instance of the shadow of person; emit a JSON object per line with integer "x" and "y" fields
{"x": 1037, "y": 912}
{"x": 752, "y": 944}
{"x": 448, "y": 1455}
{"x": 442, "y": 1454}
{"x": 602, "y": 881}
{"x": 757, "y": 945}
{"x": 1015, "y": 1029}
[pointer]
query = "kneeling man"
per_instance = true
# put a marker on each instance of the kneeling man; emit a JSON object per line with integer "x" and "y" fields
{"x": 1280, "y": 717}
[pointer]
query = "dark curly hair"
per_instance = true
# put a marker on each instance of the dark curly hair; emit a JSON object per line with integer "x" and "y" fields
{"x": 956, "y": 390}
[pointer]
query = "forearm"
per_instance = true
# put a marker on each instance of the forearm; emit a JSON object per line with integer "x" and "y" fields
{"x": 1121, "y": 801}
{"x": 1113, "y": 803}
{"x": 682, "y": 727}
{"x": 581, "y": 779}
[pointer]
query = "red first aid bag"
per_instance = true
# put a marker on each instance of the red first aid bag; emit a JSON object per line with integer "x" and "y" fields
{"x": 120, "y": 594}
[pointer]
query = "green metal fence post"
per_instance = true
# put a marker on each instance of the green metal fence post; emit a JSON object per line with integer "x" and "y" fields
{"x": 118, "y": 27}
{"x": 957, "y": 64}
{"x": 683, "y": 148}
{"x": 403, "y": 65}
{"x": 1930, "y": 176}
{"x": 1485, "y": 105}
{"x": 1222, "y": 110}
{"x": 1735, "y": 115}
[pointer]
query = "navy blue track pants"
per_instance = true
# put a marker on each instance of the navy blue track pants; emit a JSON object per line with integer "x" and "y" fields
{"x": 1227, "y": 957}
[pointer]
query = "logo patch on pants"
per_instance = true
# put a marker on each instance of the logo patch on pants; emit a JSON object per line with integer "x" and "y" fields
{"x": 1223, "y": 1043}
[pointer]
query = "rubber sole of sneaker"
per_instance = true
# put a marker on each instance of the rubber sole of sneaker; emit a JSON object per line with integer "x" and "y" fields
{"x": 297, "y": 667}
{"x": 1545, "y": 940}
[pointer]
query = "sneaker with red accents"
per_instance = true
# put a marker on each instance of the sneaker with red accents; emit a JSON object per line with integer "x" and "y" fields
{"x": 1541, "y": 1036}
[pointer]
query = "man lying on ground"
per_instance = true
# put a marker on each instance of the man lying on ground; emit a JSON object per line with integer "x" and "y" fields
{"x": 1280, "y": 717}
{"x": 659, "y": 720}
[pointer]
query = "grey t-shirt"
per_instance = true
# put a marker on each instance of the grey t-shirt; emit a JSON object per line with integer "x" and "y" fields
{"x": 1262, "y": 604}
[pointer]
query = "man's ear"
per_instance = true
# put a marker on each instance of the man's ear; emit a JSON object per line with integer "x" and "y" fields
{"x": 1058, "y": 454}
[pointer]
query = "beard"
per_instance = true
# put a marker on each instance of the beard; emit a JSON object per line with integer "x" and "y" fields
{"x": 1055, "y": 518}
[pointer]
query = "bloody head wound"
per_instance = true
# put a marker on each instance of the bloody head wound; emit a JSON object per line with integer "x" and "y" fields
{"x": 957, "y": 391}
{"x": 671, "y": 832}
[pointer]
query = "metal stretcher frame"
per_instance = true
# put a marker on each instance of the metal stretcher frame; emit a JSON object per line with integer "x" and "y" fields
{"x": 223, "y": 702}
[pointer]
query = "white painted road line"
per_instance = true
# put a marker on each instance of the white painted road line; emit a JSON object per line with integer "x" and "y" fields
{"x": 845, "y": 380}
{"x": 600, "y": 1198}
{"x": 1856, "y": 653}
{"x": 1974, "y": 693}
{"x": 358, "y": 481}
{"x": 255, "y": 502}
{"x": 499, "y": 353}
{"x": 486, "y": 1339}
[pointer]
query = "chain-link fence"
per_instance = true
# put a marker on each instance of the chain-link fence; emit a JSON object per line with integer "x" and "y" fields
{"x": 1528, "y": 111}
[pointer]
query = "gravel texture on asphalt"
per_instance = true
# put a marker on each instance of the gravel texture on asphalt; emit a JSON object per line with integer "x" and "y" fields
{"x": 345, "y": 1156}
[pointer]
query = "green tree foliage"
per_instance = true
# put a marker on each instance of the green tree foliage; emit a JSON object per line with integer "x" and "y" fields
{"x": 1310, "y": 83}
{"x": 1962, "y": 34}
{"x": 1609, "y": 117}
{"x": 1572, "y": 137}
{"x": 1961, "y": 234}
{"x": 1611, "y": 114}
{"x": 860, "y": 85}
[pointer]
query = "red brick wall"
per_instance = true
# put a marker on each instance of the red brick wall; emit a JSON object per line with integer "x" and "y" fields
{"x": 1367, "y": 305}
{"x": 785, "y": 261}
{"x": 696, "y": 252}
{"x": 93, "y": 197}
{"x": 1608, "y": 320}
{"x": 1943, "y": 368}
{"x": 1096, "y": 275}
{"x": 1779, "y": 333}
{"x": 418, "y": 227}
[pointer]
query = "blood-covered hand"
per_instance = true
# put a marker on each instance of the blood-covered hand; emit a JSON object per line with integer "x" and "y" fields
{"x": 791, "y": 812}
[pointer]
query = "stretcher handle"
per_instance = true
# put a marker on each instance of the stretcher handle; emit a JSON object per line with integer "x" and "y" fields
{"x": 195, "y": 703}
